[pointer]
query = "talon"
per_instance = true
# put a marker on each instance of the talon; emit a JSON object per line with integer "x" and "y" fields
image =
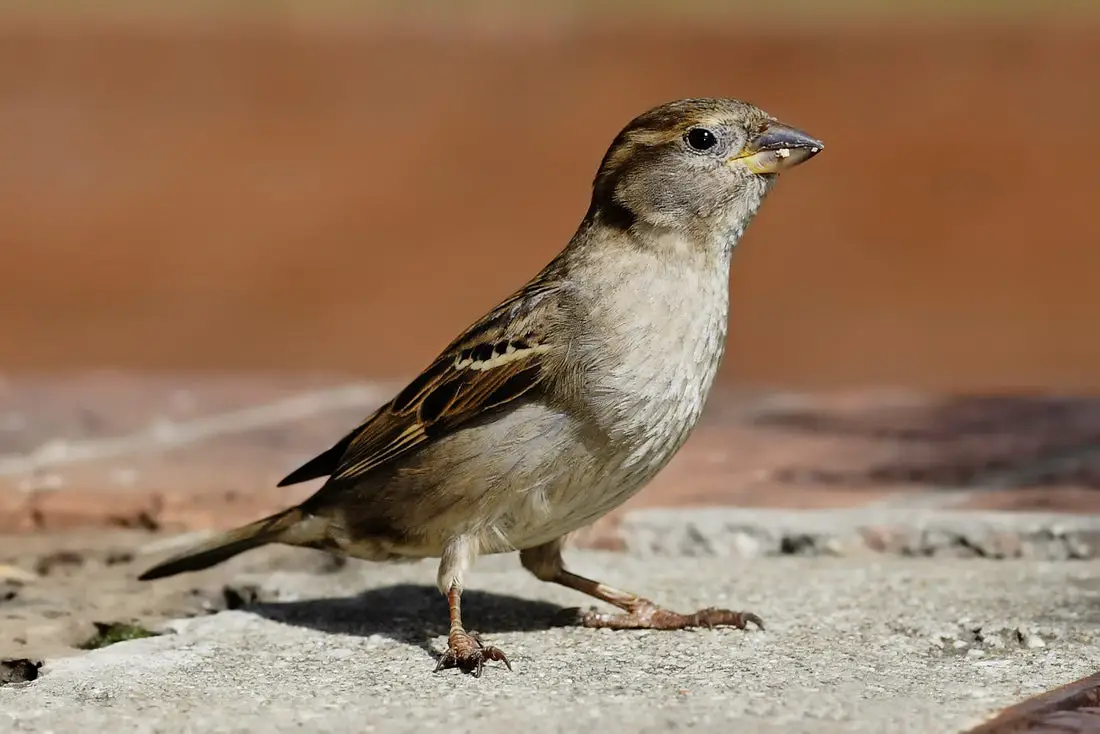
{"x": 446, "y": 660}
{"x": 495, "y": 653}
{"x": 747, "y": 617}
{"x": 469, "y": 655}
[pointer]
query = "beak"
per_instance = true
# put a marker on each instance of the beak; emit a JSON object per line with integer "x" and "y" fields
{"x": 778, "y": 148}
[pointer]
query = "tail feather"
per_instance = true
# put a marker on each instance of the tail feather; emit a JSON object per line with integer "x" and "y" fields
{"x": 281, "y": 527}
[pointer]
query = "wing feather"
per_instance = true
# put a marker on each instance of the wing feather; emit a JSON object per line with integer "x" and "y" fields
{"x": 495, "y": 362}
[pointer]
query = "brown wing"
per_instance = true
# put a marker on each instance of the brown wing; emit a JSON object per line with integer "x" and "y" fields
{"x": 494, "y": 362}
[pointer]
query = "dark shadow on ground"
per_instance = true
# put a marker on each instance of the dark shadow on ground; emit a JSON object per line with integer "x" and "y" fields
{"x": 414, "y": 614}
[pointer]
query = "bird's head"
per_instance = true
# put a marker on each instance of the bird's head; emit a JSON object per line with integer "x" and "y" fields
{"x": 698, "y": 165}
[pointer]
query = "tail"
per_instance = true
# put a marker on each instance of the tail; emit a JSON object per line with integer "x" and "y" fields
{"x": 289, "y": 526}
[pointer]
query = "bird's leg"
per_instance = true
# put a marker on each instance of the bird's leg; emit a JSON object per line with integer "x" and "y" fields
{"x": 546, "y": 563}
{"x": 464, "y": 649}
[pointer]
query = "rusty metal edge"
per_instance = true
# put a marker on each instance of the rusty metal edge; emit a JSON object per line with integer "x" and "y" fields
{"x": 1036, "y": 714}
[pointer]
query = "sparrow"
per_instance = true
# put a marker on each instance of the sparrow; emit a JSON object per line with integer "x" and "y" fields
{"x": 568, "y": 397}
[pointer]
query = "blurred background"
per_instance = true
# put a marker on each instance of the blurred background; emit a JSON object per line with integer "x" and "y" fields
{"x": 230, "y": 229}
{"x": 208, "y": 207}
{"x": 337, "y": 187}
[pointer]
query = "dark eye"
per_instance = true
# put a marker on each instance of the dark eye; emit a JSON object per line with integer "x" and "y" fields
{"x": 700, "y": 139}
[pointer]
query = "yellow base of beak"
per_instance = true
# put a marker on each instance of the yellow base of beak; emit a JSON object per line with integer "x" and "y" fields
{"x": 774, "y": 161}
{"x": 778, "y": 148}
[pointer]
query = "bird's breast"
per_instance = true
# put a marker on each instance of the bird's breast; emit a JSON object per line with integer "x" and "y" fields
{"x": 651, "y": 351}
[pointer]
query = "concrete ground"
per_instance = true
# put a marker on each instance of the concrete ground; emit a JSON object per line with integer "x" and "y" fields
{"x": 899, "y": 595}
{"x": 854, "y": 644}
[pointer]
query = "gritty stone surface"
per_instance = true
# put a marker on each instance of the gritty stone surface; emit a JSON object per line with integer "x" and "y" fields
{"x": 750, "y": 532}
{"x": 56, "y": 589}
{"x": 853, "y": 645}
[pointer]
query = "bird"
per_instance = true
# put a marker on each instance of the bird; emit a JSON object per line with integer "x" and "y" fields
{"x": 568, "y": 397}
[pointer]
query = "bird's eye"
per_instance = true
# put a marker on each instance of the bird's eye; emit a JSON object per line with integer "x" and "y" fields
{"x": 700, "y": 139}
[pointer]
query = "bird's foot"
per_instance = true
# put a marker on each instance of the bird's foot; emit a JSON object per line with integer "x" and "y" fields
{"x": 465, "y": 652}
{"x": 644, "y": 614}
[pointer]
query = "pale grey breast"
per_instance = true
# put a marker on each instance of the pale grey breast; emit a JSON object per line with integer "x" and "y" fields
{"x": 645, "y": 350}
{"x": 653, "y": 341}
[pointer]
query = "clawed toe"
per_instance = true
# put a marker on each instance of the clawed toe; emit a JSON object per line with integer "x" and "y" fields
{"x": 713, "y": 617}
{"x": 647, "y": 615}
{"x": 469, "y": 655}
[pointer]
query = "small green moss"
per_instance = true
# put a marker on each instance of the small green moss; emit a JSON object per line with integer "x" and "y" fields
{"x": 110, "y": 633}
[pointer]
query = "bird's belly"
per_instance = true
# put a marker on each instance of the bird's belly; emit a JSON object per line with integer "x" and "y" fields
{"x": 638, "y": 426}
{"x": 577, "y": 506}
{"x": 587, "y": 486}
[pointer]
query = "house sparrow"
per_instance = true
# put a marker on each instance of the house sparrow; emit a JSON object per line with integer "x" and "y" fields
{"x": 568, "y": 397}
